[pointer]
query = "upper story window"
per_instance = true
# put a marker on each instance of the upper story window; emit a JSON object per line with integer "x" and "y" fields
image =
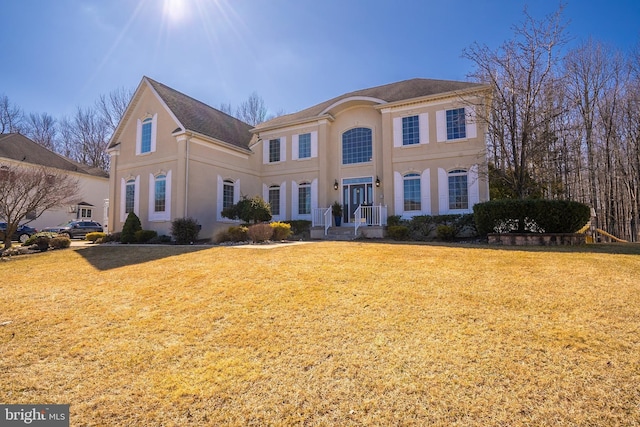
{"x": 274, "y": 150}
{"x": 304, "y": 146}
{"x": 228, "y": 188}
{"x": 357, "y": 146}
{"x": 456, "y": 124}
{"x": 458, "y": 189}
{"x": 274, "y": 199}
{"x": 410, "y": 130}
{"x": 146, "y": 135}
{"x": 412, "y": 200}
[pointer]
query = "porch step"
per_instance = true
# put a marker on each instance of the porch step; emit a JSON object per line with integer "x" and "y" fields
{"x": 340, "y": 233}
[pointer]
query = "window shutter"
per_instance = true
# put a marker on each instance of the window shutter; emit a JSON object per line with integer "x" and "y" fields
{"x": 136, "y": 198}
{"x": 154, "y": 131}
{"x": 314, "y": 144}
{"x": 443, "y": 192}
{"x": 265, "y": 193}
{"x": 472, "y": 131}
{"x": 425, "y": 192}
{"x": 219, "y": 198}
{"x": 283, "y": 149}
{"x": 423, "y": 123}
{"x": 167, "y": 198}
{"x": 236, "y": 191}
{"x": 152, "y": 195}
{"x": 398, "y": 196}
{"x": 314, "y": 195}
{"x": 123, "y": 198}
{"x": 474, "y": 186}
{"x": 397, "y": 131}
{"x": 283, "y": 200}
{"x": 441, "y": 125}
{"x": 295, "y": 148}
{"x": 265, "y": 151}
{"x": 138, "y": 136}
{"x": 294, "y": 200}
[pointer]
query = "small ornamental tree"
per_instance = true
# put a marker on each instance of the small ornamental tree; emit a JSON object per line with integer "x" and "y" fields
{"x": 252, "y": 210}
{"x": 131, "y": 225}
{"x": 185, "y": 230}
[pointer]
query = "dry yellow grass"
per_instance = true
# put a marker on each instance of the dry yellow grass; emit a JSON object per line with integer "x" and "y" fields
{"x": 325, "y": 334}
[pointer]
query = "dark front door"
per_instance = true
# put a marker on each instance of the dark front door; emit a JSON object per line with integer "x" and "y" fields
{"x": 355, "y": 195}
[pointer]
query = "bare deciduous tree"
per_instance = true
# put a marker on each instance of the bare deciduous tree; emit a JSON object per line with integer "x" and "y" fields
{"x": 112, "y": 106}
{"x": 11, "y": 116}
{"x": 85, "y": 137}
{"x": 41, "y": 128}
{"x": 30, "y": 191}
{"x": 252, "y": 111}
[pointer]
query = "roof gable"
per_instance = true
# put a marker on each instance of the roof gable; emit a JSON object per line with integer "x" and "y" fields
{"x": 18, "y": 147}
{"x": 193, "y": 116}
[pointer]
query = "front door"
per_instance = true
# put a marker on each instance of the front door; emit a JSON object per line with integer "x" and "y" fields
{"x": 354, "y": 195}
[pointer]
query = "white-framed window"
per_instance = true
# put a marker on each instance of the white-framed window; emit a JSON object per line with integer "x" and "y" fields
{"x": 411, "y": 130}
{"x": 456, "y": 124}
{"x": 274, "y": 200}
{"x": 458, "y": 189}
{"x": 228, "y": 194}
{"x": 160, "y": 196}
{"x": 357, "y": 146}
{"x": 411, "y": 192}
{"x": 129, "y": 196}
{"x": 304, "y": 146}
{"x": 274, "y": 150}
{"x": 146, "y": 134}
{"x": 304, "y": 198}
{"x": 86, "y": 212}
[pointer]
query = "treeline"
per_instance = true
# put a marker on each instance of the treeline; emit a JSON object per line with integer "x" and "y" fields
{"x": 564, "y": 123}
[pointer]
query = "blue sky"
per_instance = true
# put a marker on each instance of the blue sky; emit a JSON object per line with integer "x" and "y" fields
{"x": 59, "y": 54}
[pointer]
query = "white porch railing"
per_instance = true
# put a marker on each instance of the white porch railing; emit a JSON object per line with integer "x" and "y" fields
{"x": 370, "y": 215}
{"x": 321, "y": 218}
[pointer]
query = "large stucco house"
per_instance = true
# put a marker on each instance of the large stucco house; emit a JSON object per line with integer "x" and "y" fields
{"x": 408, "y": 148}
{"x": 17, "y": 150}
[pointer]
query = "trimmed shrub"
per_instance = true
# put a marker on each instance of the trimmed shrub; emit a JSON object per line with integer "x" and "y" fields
{"x": 248, "y": 210}
{"x": 260, "y": 232}
{"x": 394, "y": 220}
{"x": 42, "y": 242}
{"x": 421, "y": 226}
{"x": 398, "y": 232}
{"x": 185, "y": 230}
{"x": 32, "y": 240}
{"x": 281, "y": 230}
{"x": 131, "y": 225}
{"x": 113, "y": 237}
{"x": 445, "y": 232}
{"x": 533, "y": 215}
{"x": 299, "y": 226}
{"x": 143, "y": 236}
{"x": 60, "y": 242}
{"x": 93, "y": 237}
{"x": 236, "y": 233}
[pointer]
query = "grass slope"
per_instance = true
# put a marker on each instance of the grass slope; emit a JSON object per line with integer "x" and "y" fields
{"x": 324, "y": 334}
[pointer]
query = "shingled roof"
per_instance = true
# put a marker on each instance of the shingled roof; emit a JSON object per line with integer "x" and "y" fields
{"x": 198, "y": 117}
{"x": 18, "y": 147}
{"x": 393, "y": 92}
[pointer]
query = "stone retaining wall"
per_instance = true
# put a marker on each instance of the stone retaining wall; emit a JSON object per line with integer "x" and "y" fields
{"x": 536, "y": 239}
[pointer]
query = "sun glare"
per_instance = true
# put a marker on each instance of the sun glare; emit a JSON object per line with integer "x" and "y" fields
{"x": 176, "y": 11}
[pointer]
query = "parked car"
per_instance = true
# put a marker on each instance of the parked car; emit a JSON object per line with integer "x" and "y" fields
{"x": 22, "y": 233}
{"x": 75, "y": 229}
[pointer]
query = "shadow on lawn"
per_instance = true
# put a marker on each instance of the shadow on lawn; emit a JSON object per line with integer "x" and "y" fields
{"x": 107, "y": 257}
{"x": 596, "y": 248}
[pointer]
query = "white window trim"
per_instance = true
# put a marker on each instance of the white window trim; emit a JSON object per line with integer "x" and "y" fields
{"x": 220, "y": 201}
{"x": 423, "y": 129}
{"x": 123, "y": 197}
{"x": 471, "y": 129}
{"x": 154, "y": 133}
{"x": 160, "y": 216}
{"x": 295, "y": 213}
{"x": 473, "y": 190}
{"x": 283, "y": 201}
{"x": 266, "y": 145}
{"x": 295, "y": 146}
{"x": 425, "y": 195}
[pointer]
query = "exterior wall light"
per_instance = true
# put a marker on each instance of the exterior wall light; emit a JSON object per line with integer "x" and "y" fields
{"x": 377, "y": 181}
{"x": 335, "y": 184}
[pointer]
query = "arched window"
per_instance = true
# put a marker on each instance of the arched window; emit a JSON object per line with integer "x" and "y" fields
{"x": 160, "y": 194}
{"x": 458, "y": 189}
{"x": 130, "y": 196}
{"x": 227, "y": 193}
{"x": 304, "y": 198}
{"x": 357, "y": 146}
{"x": 412, "y": 200}
{"x": 145, "y": 144}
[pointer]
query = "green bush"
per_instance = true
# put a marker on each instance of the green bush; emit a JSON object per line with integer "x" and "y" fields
{"x": 260, "y": 232}
{"x": 445, "y": 232}
{"x": 299, "y": 226}
{"x": 421, "y": 227}
{"x": 113, "y": 237}
{"x": 394, "y": 220}
{"x": 42, "y": 242}
{"x": 32, "y": 240}
{"x": 143, "y": 236}
{"x": 281, "y": 230}
{"x": 60, "y": 242}
{"x": 236, "y": 233}
{"x": 92, "y": 237}
{"x": 249, "y": 210}
{"x": 398, "y": 232}
{"x": 532, "y": 215}
{"x": 131, "y": 225}
{"x": 185, "y": 230}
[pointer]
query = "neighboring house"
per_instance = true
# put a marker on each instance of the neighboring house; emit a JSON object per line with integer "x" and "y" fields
{"x": 17, "y": 149}
{"x": 407, "y": 148}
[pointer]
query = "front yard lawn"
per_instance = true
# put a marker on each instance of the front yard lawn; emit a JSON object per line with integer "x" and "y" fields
{"x": 325, "y": 334}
